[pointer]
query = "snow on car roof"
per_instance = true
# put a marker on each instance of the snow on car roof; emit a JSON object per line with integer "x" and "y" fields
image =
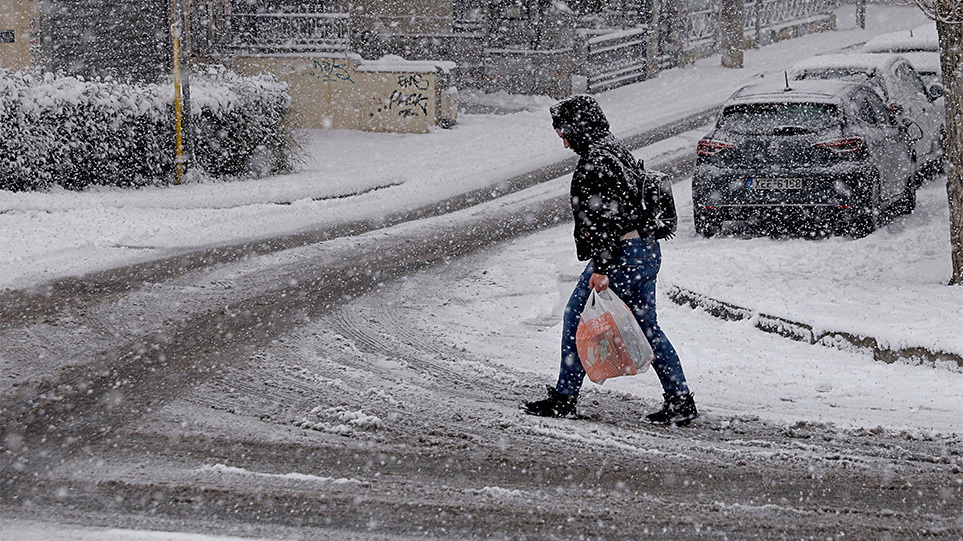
{"x": 855, "y": 61}
{"x": 819, "y": 91}
{"x": 921, "y": 38}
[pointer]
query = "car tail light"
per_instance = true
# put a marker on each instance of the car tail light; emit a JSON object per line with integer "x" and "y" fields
{"x": 709, "y": 147}
{"x": 895, "y": 108}
{"x": 847, "y": 145}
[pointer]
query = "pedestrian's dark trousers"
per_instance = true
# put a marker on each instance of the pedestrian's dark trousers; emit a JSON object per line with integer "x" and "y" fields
{"x": 632, "y": 277}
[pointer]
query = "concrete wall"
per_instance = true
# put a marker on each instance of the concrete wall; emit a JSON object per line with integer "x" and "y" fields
{"x": 346, "y": 93}
{"x": 16, "y": 19}
{"x": 530, "y": 72}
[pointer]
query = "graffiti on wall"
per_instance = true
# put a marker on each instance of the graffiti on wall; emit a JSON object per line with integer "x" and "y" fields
{"x": 409, "y": 100}
{"x": 414, "y": 80}
{"x": 331, "y": 70}
{"x": 408, "y": 105}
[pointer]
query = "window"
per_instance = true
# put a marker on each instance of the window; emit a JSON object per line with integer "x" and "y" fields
{"x": 864, "y": 110}
{"x": 883, "y": 116}
{"x": 847, "y": 74}
{"x": 908, "y": 76}
{"x": 779, "y": 118}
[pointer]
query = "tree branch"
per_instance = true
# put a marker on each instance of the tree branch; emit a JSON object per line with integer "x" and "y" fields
{"x": 945, "y": 11}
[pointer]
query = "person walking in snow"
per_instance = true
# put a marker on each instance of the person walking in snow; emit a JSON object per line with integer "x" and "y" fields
{"x": 620, "y": 242}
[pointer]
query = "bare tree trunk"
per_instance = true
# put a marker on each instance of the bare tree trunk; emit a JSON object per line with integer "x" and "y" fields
{"x": 951, "y": 42}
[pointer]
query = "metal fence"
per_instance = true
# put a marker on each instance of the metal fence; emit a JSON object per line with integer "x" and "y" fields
{"x": 291, "y": 30}
{"x": 616, "y": 59}
{"x": 702, "y": 19}
{"x": 618, "y": 54}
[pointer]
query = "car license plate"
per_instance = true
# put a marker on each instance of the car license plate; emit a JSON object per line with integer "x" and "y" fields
{"x": 775, "y": 183}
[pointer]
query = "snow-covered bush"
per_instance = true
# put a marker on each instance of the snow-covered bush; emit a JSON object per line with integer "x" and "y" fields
{"x": 239, "y": 122}
{"x": 76, "y": 133}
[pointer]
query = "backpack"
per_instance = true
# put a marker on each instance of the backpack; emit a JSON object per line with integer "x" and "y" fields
{"x": 657, "y": 196}
{"x": 655, "y": 204}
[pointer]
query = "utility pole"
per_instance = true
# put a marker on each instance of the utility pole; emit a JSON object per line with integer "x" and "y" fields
{"x": 183, "y": 140}
{"x": 732, "y": 42}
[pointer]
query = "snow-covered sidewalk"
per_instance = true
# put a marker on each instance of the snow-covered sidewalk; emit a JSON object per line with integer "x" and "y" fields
{"x": 507, "y": 306}
{"x": 888, "y": 286}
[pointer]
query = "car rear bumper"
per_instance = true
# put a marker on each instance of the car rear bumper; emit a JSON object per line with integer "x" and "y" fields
{"x": 754, "y": 212}
{"x": 841, "y": 186}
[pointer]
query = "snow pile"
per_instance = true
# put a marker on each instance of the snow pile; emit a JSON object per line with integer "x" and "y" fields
{"x": 340, "y": 420}
{"x": 225, "y": 469}
{"x": 393, "y": 63}
{"x": 499, "y": 492}
{"x": 75, "y": 133}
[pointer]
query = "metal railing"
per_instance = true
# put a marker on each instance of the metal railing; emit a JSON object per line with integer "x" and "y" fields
{"x": 773, "y": 13}
{"x": 616, "y": 59}
{"x": 288, "y": 30}
{"x": 702, "y": 21}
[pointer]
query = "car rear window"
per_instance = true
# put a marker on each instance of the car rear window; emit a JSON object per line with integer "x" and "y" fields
{"x": 779, "y": 118}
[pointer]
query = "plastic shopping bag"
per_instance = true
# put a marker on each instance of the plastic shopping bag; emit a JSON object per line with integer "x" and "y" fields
{"x": 609, "y": 340}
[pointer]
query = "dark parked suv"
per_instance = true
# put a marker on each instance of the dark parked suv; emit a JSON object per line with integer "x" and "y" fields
{"x": 817, "y": 153}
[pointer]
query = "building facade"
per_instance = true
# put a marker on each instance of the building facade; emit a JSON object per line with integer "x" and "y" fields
{"x": 18, "y": 20}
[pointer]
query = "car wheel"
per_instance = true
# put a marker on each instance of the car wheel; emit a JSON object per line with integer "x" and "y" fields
{"x": 907, "y": 203}
{"x": 706, "y": 224}
{"x": 868, "y": 216}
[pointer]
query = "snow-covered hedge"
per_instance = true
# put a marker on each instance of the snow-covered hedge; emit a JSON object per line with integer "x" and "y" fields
{"x": 77, "y": 133}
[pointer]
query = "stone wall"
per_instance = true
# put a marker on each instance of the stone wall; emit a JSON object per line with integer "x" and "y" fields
{"x": 349, "y": 93}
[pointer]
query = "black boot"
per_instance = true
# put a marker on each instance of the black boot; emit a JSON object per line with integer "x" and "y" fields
{"x": 556, "y": 405}
{"x": 676, "y": 410}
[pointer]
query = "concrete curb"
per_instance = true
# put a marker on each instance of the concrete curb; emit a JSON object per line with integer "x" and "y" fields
{"x": 803, "y": 332}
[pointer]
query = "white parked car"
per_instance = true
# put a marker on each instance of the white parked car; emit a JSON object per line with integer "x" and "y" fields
{"x": 921, "y": 38}
{"x": 900, "y": 86}
{"x": 920, "y": 45}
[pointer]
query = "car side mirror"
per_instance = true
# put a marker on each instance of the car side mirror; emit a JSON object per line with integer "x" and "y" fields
{"x": 935, "y": 91}
{"x": 913, "y": 130}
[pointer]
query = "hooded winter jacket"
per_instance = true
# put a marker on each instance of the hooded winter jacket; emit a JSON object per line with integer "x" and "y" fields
{"x": 602, "y": 198}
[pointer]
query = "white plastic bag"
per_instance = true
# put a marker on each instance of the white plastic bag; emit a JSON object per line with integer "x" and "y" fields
{"x": 609, "y": 340}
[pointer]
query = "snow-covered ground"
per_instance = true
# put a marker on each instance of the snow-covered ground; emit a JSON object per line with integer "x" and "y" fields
{"x": 61, "y": 233}
{"x": 508, "y": 307}
{"x": 888, "y": 285}
{"x": 39, "y": 531}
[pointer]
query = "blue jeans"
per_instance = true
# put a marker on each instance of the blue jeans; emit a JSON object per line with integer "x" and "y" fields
{"x": 632, "y": 277}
